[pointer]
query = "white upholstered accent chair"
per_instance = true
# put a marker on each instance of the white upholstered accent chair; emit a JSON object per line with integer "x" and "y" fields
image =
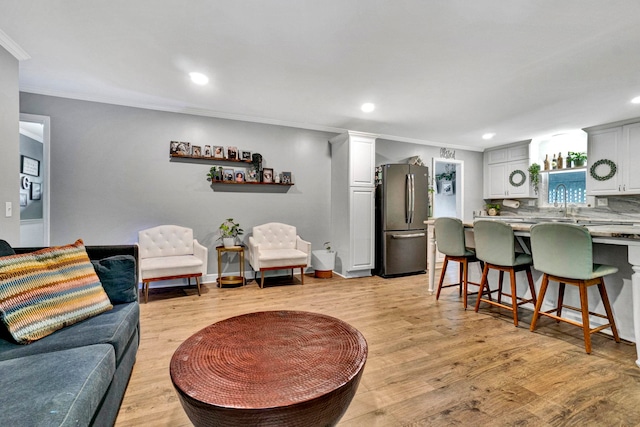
{"x": 170, "y": 252}
{"x": 276, "y": 246}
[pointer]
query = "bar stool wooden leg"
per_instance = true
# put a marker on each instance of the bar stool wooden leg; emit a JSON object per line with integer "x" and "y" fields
{"x": 561, "y": 288}
{"x": 514, "y": 298}
{"x": 500, "y": 281}
{"x": 442, "y": 274}
{"x": 460, "y": 277}
{"x": 532, "y": 288}
{"x": 536, "y": 311}
{"x": 464, "y": 281}
{"x": 483, "y": 282}
{"x": 584, "y": 308}
{"x": 607, "y": 309}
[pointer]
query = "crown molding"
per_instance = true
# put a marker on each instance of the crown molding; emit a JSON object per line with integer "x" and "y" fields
{"x": 12, "y": 47}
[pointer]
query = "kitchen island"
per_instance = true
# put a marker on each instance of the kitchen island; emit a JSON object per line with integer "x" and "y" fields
{"x": 615, "y": 242}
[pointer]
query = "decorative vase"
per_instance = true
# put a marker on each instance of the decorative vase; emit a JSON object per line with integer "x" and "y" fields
{"x": 229, "y": 242}
{"x": 492, "y": 212}
{"x": 578, "y": 163}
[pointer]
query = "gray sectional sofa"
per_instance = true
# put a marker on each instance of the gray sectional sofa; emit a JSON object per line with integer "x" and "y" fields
{"x": 76, "y": 376}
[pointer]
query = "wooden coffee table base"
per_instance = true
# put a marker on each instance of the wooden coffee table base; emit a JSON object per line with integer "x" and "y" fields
{"x": 272, "y": 368}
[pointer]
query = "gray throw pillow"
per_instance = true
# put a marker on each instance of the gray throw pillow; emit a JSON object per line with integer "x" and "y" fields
{"x": 118, "y": 277}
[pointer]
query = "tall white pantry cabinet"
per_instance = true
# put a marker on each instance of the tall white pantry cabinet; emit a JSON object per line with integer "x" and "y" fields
{"x": 352, "y": 202}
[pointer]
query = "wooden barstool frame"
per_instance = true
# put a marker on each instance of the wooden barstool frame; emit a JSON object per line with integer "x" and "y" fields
{"x": 463, "y": 276}
{"x": 583, "y": 285}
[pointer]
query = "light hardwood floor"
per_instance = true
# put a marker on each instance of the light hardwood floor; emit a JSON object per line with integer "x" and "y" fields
{"x": 431, "y": 363}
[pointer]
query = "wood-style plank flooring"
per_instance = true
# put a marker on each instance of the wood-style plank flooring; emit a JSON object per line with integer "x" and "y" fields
{"x": 431, "y": 363}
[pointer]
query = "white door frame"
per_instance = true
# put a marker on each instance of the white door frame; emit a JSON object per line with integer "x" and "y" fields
{"x": 45, "y": 121}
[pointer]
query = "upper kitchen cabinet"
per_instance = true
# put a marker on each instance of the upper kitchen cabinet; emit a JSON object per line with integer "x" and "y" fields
{"x": 506, "y": 172}
{"x": 357, "y": 158}
{"x": 613, "y": 149}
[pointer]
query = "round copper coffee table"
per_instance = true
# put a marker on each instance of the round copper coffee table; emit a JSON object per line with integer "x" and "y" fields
{"x": 271, "y": 368}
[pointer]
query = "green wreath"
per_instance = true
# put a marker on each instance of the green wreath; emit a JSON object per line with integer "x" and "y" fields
{"x": 514, "y": 173}
{"x": 612, "y": 170}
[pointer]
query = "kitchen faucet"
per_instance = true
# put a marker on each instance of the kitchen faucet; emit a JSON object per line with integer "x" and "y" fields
{"x": 565, "y": 197}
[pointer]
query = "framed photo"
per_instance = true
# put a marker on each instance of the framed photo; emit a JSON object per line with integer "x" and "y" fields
{"x": 252, "y": 175}
{"x": 267, "y": 175}
{"x": 239, "y": 175}
{"x": 227, "y": 175}
{"x": 246, "y": 155}
{"x": 23, "y": 199}
{"x": 286, "y": 177}
{"x": 232, "y": 153}
{"x": 29, "y": 166}
{"x": 207, "y": 151}
{"x": 178, "y": 148}
{"x": 36, "y": 191}
{"x": 197, "y": 151}
{"x": 218, "y": 152}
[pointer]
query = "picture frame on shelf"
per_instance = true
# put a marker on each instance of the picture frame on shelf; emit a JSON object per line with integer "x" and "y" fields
{"x": 239, "y": 175}
{"x": 179, "y": 148}
{"x": 29, "y": 166}
{"x": 232, "y": 153}
{"x": 218, "y": 152}
{"x": 252, "y": 175}
{"x": 23, "y": 199}
{"x": 197, "y": 151}
{"x": 207, "y": 151}
{"x": 267, "y": 175}
{"x": 286, "y": 178}
{"x": 36, "y": 191}
{"x": 245, "y": 155}
{"x": 228, "y": 175}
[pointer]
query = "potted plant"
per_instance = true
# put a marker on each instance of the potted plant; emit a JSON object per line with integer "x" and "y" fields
{"x": 215, "y": 174}
{"x": 534, "y": 176}
{"x": 324, "y": 261}
{"x": 493, "y": 209}
{"x": 446, "y": 179}
{"x": 229, "y": 230}
{"x": 578, "y": 159}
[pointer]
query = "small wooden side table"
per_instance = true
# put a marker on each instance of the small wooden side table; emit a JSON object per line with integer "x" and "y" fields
{"x": 231, "y": 280}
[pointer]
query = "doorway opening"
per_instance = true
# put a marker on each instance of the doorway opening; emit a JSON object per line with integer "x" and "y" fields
{"x": 448, "y": 189}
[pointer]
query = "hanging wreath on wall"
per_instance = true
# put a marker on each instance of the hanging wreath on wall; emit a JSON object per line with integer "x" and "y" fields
{"x": 612, "y": 170}
{"x": 522, "y": 176}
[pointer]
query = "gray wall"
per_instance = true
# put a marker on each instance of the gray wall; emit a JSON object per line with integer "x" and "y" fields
{"x": 111, "y": 175}
{"x": 10, "y": 158}
{"x": 398, "y": 152}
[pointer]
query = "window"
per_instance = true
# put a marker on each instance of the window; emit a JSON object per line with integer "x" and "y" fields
{"x": 575, "y": 183}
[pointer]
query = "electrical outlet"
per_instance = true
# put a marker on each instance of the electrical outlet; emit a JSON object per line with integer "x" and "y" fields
{"x": 602, "y": 201}
{"x": 532, "y": 203}
{"x": 8, "y": 209}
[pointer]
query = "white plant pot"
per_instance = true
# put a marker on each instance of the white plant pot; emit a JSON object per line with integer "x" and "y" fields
{"x": 323, "y": 262}
{"x": 229, "y": 242}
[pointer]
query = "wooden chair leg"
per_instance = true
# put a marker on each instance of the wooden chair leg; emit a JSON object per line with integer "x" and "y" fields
{"x": 483, "y": 281}
{"x": 145, "y": 286}
{"x": 500, "y": 281}
{"x": 532, "y": 288}
{"x": 514, "y": 298}
{"x": 302, "y": 275}
{"x": 561, "y": 288}
{"x": 584, "y": 308}
{"x": 198, "y": 284}
{"x": 464, "y": 280}
{"x": 460, "y": 277}
{"x": 261, "y": 279}
{"x": 536, "y": 311}
{"x": 607, "y": 309}
{"x": 442, "y": 274}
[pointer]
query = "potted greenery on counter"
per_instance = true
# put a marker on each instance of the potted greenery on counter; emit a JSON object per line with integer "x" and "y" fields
{"x": 493, "y": 209}
{"x": 578, "y": 159}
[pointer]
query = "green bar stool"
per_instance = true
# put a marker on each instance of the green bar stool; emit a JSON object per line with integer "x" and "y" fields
{"x": 495, "y": 246}
{"x": 564, "y": 254}
{"x": 451, "y": 242}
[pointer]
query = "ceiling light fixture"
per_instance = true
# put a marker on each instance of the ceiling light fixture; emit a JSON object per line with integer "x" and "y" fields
{"x": 199, "y": 78}
{"x": 488, "y": 136}
{"x": 636, "y": 100}
{"x": 368, "y": 107}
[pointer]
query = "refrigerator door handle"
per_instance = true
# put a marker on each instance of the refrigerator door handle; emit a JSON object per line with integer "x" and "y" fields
{"x": 407, "y": 199}
{"x": 413, "y": 196}
{"x": 408, "y": 236}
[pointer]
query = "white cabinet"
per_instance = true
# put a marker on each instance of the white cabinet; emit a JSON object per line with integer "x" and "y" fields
{"x": 506, "y": 172}
{"x": 352, "y": 203}
{"x": 620, "y": 144}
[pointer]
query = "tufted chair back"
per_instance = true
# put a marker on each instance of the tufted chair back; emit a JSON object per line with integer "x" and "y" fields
{"x": 165, "y": 240}
{"x": 275, "y": 235}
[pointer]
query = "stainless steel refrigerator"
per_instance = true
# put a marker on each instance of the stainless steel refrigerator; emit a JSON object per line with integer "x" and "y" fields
{"x": 402, "y": 206}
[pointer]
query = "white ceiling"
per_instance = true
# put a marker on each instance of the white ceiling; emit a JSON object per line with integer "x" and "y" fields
{"x": 440, "y": 72}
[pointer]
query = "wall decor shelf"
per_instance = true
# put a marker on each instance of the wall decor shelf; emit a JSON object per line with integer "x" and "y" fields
{"x": 251, "y": 183}
{"x": 208, "y": 159}
{"x": 581, "y": 168}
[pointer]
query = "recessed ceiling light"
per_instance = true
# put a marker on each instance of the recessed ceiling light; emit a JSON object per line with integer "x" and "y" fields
{"x": 368, "y": 107}
{"x": 488, "y": 135}
{"x": 636, "y": 100}
{"x": 199, "y": 78}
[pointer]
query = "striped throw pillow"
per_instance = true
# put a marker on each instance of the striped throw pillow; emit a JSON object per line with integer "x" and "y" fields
{"x": 46, "y": 290}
